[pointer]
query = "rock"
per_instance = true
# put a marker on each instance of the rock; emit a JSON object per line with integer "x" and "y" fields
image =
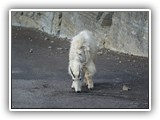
{"x": 59, "y": 48}
{"x": 99, "y": 53}
{"x": 52, "y": 41}
{"x": 120, "y": 61}
{"x": 31, "y": 50}
{"x": 49, "y": 47}
{"x": 30, "y": 39}
{"x": 107, "y": 20}
{"x": 125, "y": 88}
{"x": 108, "y": 50}
{"x": 46, "y": 38}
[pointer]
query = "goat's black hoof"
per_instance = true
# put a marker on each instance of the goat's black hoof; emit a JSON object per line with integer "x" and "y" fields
{"x": 90, "y": 88}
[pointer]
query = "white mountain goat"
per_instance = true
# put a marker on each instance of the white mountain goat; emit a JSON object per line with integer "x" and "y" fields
{"x": 82, "y": 55}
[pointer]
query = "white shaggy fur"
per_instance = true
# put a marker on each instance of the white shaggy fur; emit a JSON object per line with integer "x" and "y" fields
{"x": 82, "y": 55}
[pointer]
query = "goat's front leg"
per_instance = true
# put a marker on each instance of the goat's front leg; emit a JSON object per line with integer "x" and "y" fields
{"x": 72, "y": 86}
{"x": 89, "y": 80}
{"x": 85, "y": 80}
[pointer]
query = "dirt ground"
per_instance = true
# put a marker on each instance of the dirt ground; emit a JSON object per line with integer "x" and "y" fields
{"x": 40, "y": 78}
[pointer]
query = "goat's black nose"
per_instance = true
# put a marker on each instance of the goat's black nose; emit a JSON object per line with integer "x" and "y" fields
{"x": 78, "y": 91}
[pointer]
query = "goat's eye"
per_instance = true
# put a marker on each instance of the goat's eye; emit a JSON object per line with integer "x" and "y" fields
{"x": 80, "y": 79}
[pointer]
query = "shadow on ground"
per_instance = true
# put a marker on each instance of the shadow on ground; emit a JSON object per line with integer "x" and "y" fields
{"x": 40, "y": 78}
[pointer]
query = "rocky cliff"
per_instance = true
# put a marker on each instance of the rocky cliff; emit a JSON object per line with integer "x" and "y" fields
{"x": 125, "y": 32}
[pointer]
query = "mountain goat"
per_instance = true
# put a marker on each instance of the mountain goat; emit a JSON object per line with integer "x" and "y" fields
{"x": 82, "y": 55}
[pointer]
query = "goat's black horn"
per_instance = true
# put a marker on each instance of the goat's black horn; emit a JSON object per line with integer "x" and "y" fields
{"x": 79, "y": 72}
{"x": 72, "y": 72}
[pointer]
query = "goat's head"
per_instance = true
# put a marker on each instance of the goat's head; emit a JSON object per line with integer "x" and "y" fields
{"x": 76, "y": 77}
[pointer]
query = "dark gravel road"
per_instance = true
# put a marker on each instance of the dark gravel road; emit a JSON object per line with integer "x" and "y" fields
{"x": 40, "y": 78}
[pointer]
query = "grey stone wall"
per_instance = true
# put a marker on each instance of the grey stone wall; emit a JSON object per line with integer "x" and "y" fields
{"x": 129, "y": 33}
{"x": 120, "y": 31}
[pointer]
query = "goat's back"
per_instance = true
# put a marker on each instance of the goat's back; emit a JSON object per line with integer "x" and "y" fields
{"x": 85, "y": 40}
